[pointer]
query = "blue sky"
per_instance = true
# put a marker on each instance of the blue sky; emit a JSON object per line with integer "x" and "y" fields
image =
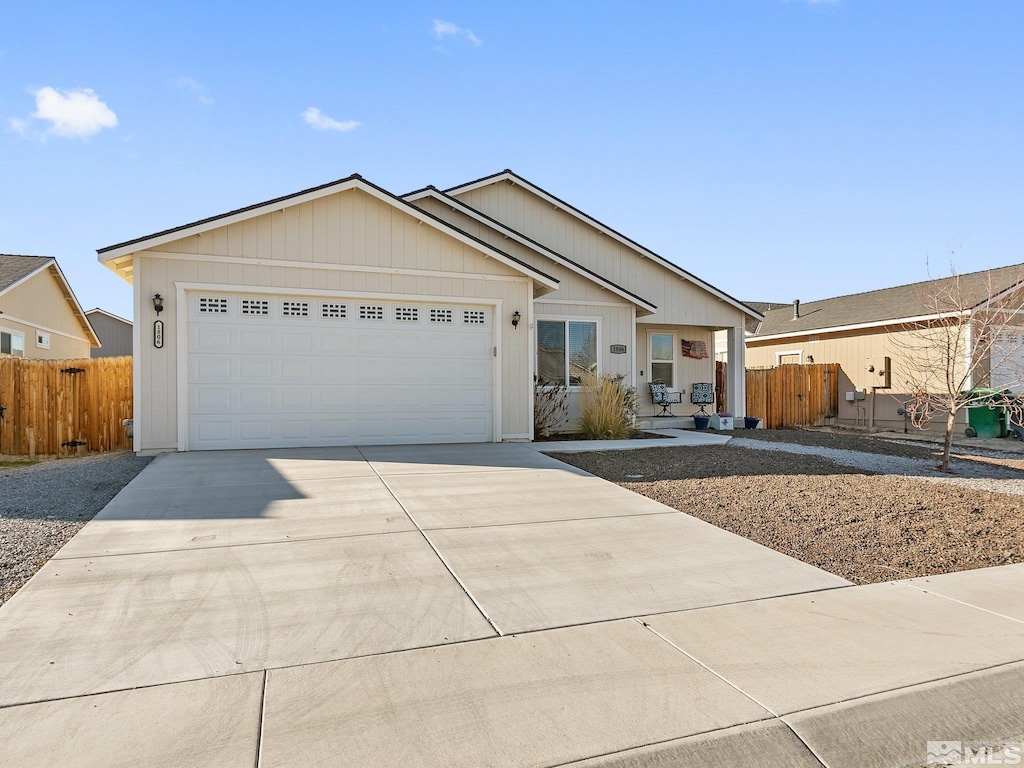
{"x": 777, "y": 149}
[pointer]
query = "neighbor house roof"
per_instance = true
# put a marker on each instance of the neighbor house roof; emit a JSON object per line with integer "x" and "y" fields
{"x": 15, "y": 270}
{"x": 509, "y": 175}
{"x": 883, "y": 306}
{"x": 112, "y": 253}
{"x": 111, "y": 315}
{"x": 508, "y": 232}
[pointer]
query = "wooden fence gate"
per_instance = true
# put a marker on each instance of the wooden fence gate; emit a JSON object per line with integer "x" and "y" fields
{"x": 793, "y": 395}
{"x": 64, "y": 407}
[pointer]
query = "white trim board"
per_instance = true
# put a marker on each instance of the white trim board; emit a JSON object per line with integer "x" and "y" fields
{"x": 327, "y": 266}
{"x": 640, "y": 250}
{"x": 37, "y": 326}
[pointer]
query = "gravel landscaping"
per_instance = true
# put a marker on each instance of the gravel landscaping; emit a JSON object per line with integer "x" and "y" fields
{"x": 865, "y": 523}
{"x": 44, "y": 505}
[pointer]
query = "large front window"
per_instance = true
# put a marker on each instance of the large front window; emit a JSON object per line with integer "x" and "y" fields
{"x": 663, "y": 365}
{"x": 12, "y": 343}
{"x": 566, "y": 350}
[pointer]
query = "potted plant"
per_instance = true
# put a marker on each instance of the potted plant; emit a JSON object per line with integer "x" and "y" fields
{"x": 701, "y": 421}
{"x": 721, "y": 420}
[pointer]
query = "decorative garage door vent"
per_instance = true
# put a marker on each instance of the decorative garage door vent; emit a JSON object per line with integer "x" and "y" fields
{"x": 407, "y": 314}
{"x": 255, "y": 306}
{"x": 474, "y": 316}
{"x": 330, "y": 310}
{"x": 213, "y": 305}
{"x": 295, "y": 308}
{"x": 440, "y": 315}
{"x": 371, "y": 312}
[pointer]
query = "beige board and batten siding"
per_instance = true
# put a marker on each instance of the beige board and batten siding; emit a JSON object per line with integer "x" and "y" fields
{"x": 577, "y": 296}
{"x": 344, "y": 243}
{"x": 38, "y": 304}
{"x": 854, "y": 351}
{"x": 678, "y": 300}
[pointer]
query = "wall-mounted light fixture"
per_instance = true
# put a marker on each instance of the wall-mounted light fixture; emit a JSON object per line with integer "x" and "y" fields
{"x": 158, "y": 303}
{"x": 515, "y": 319}
{"x": 810, "y": 358}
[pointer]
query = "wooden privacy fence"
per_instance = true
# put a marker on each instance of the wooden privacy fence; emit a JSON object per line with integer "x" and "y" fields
{"x": 64, "y": 407}
{"x": 793, "y": 395}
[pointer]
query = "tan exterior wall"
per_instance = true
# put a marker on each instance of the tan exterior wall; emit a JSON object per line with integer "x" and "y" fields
{"x": 854, "y": 351}
{"x": 679, "y": 301}
{"x": 347, "y": 242}
{"x": 39, "y": 304}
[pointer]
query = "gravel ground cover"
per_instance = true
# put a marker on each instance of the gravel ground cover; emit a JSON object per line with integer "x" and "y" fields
{"x": 859, "y": 524}
{"x": 44, "y": 505}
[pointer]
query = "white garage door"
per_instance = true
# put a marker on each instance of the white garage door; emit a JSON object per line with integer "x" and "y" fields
{"x": 281, "y": 371}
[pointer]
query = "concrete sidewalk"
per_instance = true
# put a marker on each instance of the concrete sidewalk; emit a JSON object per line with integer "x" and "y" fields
{"x": 471, "y": 606}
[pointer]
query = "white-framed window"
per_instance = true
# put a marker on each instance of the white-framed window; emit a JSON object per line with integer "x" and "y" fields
{"x": 332, "y": 310}
{"x": 42, "y": 340}
{"x": 295, "y": 308}
{"x": 407, "y": 314}
{"x": 255, "y": 306}
{"x": 12, "y": 343}
{"x": 213, "y": 305}
{"x": 663, "y": 359}
{"x": 566, "y": 350}
{"x": 790, "y": 357}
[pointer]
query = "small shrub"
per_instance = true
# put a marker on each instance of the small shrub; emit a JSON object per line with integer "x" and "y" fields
{"x": 607, "y": 407}
{"x": 549, "y": 406}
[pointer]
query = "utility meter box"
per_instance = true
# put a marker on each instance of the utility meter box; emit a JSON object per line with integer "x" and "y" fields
{"x": 854, "y": 396}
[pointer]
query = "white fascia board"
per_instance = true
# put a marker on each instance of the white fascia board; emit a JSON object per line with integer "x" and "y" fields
{"x": 634, "y": 246}
{"x": 501, "y": 229}
{"x": 341, "y": 186}
{"x": 892, "y": 322}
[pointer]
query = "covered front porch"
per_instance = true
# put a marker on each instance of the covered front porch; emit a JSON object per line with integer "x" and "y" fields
{"x": 682, "y": 357}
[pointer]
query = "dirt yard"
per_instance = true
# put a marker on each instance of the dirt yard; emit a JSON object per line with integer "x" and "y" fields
{"x": 863, "y": 527}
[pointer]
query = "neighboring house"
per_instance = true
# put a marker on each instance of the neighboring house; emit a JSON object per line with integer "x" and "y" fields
{"x": 761, "y": 307}
{"x": 115, "y": 333}
{"x": 39, "y": 314}
{"x": 344, "y": 314}
{"x": 861, "y": 330}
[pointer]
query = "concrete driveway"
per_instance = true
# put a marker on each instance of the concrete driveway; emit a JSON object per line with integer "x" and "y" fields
{"x": 468, "y": 606}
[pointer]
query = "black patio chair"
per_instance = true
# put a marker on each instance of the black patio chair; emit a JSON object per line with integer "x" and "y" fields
{"x": 661, "y": 396}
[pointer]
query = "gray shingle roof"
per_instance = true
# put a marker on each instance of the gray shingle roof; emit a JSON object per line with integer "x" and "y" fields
{"x": 895, "y": 303}
{"x": 14, "y": 268}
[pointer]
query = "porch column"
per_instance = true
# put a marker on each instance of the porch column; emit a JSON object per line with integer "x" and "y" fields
{"x": 736, "y": 372}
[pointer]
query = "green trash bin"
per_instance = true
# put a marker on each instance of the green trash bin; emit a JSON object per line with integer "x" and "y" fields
{"x": 987, "y": 418}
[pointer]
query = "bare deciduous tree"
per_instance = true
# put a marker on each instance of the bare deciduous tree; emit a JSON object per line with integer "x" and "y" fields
{"x": 973, "y": 336}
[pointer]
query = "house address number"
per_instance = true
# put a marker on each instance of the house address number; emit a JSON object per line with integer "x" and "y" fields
{"x": 618, "y": 349}
{"x": 158, "y": 334}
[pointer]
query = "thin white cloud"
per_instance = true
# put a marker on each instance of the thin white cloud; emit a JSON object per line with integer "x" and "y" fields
{"x": 443, "y": 29}
{"x": 196, "y": 89}
{"x": 321, "y": 122}
{"x": 71, "y": 114}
